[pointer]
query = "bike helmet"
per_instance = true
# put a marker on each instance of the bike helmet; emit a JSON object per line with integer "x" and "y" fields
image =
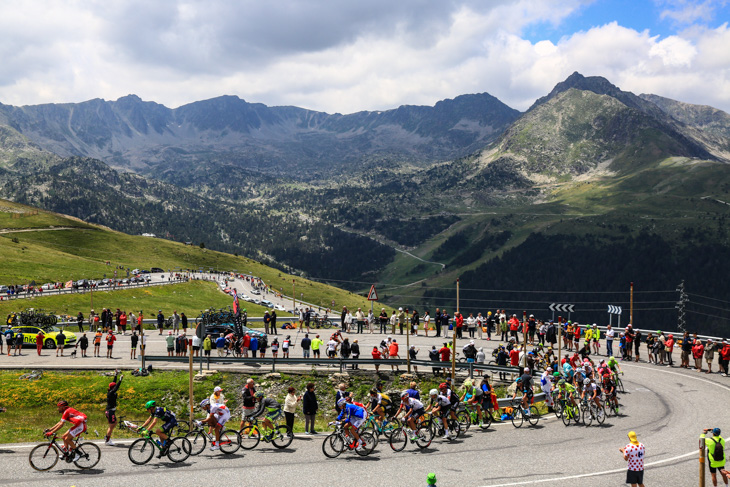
{"x": 150, "y": 404}
{"x": 62, "y": 403}
{"x": 561, "y": 382}
{"x": 556, "y": 374}
{"x": 404, "y": 394}
{"x": 204, "y": 403}
{"x": 373, "y": 391}
{"x": 443, "y": 385}
{"x": 341, "y": 401}
{"x": 586, "y": 381}
{"x": 259, "y": 394}
{"x": 433, "y": 392}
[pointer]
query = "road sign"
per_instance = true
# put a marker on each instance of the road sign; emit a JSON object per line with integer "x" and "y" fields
{"x": 373, "y": 294}
{"x": 333, "y": 303}
{"x": 614, "y": 310}
{"x": 569, "y": 308}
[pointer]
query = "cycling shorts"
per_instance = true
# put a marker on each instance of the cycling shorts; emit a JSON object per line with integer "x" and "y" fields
{"x": 417, "y": 413}
{"x": 167, "y": 427}
{"x": 111, "y": 416}
{"x": 273, "y": 415}
{"x": 356, "y": 422}
{"x": 223, "y": 418}
{"x": 77, "y": 429}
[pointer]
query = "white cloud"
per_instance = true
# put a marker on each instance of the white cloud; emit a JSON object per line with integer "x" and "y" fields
{"x": 338, "y": 57}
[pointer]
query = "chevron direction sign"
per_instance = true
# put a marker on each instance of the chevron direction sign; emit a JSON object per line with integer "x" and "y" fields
{"x": 565, "y": 308}
{"x": 614, "y": 310}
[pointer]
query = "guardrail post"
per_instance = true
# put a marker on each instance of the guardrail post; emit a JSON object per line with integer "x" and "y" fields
{"x": 208, "y": 359}
{"x": 471, "y": 370}
{"x": 341, "y": 363}
{"x": 273, "y": 364}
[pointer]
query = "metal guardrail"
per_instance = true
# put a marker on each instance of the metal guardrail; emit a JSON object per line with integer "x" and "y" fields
{"x": 56, "y": 292}
{"x": 340, "y": 362}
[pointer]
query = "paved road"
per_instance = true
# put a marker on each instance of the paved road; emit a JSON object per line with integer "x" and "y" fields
{"x": 667, "y": 408}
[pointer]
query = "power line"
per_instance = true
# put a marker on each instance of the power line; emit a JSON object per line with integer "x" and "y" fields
{"x": 705, "y": 314}
{"x": 707, "y": 297}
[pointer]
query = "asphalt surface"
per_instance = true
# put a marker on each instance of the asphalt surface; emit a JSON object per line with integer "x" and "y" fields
{"x": 666, "y": 407}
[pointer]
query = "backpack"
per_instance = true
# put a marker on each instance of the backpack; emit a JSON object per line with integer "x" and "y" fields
{"x": 719, "y": 454}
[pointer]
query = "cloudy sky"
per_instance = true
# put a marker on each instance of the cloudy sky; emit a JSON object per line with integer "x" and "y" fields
{"x": 345, "y": 56}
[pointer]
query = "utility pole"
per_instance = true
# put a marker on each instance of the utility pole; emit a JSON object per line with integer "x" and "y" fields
{"x": 683, "y": 300}
{"x": 453, "y": 337}
{"x": 631, "y": 308}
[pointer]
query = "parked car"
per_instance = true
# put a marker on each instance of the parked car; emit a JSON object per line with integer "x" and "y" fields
{"x": 267, "y": 303}
{"x": 156, "y": 269}
{"x": 279, "y": 307}
{"x": 256, "y": 292}
{"x": 50, "y": 332}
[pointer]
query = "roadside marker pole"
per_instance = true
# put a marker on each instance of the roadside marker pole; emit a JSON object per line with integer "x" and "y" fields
{"x": 702, "y": 462}
{"x": 190, "y": 374}
{"x": 560, "y": 341}
{"x": 524, "y": 333}
{"x": 453, "y": 339}
{"x": 631, "y": 312}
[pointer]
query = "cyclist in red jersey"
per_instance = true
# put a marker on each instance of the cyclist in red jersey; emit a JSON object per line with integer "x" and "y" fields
{"x": 77, "y": 420}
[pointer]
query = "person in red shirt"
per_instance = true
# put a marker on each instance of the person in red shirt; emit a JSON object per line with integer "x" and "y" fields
{"x": 514, "y": 326}
{"x": 459, "y": 323}
{"x": 377, "y": 356}
{"x": 246, "y": 344}
{"x": 445, "y": 353}
{"x": 514, "y": 357}
{"x": 393, "y": 352}
{"x": 123, "y": 322}
{"x": 110, "y": 339}
{"x": 698, "y": 350}
{"x": 39, "y": 341}
{"x": 724, "y": 358}
{"x": 78, "y": 425}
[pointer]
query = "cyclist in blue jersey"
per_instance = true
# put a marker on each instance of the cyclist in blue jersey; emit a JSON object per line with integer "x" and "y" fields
{"x": 168, "y": 418}
{"x": 354, "y": 416}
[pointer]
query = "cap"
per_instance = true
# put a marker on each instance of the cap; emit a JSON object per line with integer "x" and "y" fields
{"x": 217, "y": 389}
{"x": 169, "y": 333}
{"x": 632, "y": 438}
{"x": 431, "y": 479}
{"x": 400, "y": 309}
{"x": 112, "y": 384}
{"x": 716, "y": 432}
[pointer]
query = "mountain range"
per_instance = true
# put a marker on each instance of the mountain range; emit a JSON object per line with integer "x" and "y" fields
{"x": 414, "y": 196}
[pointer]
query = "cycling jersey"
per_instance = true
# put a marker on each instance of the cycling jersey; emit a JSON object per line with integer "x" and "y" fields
{"x": 442, "y": 401}
{"x": 221, "y": 413}
{"x": 567, "y": 389}
{"x": 612, "y": 363}
{"x": 414, "y": 404}
{"x": 354, "y": 414}
{"x": 73, "y": 416}
{"x": 167, "y": 416}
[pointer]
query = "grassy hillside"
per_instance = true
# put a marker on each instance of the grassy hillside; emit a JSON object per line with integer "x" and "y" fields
{"x": 82, "y": 252}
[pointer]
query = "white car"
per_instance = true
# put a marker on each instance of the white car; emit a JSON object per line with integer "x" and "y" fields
{"x": 256, "y": 301}
{"x": 279, "y": 307}
{"x": 256, "y": 292}
{"x": 267, "y": 303}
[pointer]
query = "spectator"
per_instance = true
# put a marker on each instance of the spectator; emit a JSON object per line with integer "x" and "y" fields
{"x": 217, "y": 398}
{"x": 83, "y": 343}
{"x": 355, "y": 350}
{"x": 306, "y": 344}
{"x": 79, "y": 322}
{"x": 401, "y": 320}
{"x": 371, "y": 321}
{"x": 39, "y": 341}
{"x": 686, "y": 350}
{"x": 207, "y": 345}
{"x": 360, "y": 319}
{"x": 610, "y": 333}
{"x": 184, "y": 322}
{"x": 97, "y": 342}
{"x": 437, "y": 322}
{"x": 267, "y": 321}
{"x": 345, "y": 349}
{"x": 426, "y": 322}
{"x": 341, "y": 392}
{"x": 160, "y": 321}
{"x": 273, "y": 322}
{"x": 254, "y": 346}
{"x": 140, "y": 321}
{"x": 412, "y": 354}
{"x": 715, "y": 454}
{"x": 275, "y": 348}
{"x": 175, "y": 322}
{"x": 393, "y": 321}
{"x": 343, "y": 315}
{"x": 290, "y": 405}
{"x": 383, "y": 321}
{"x": 393, "y": 353}
{"x": 248, "y": 401}
{"x": 332, "y": 345}
{"x": 634, "y": 453}
{"x": 669, "y": 349}
{"x": 133, "y": 350}
{"x": 698, "y": 351}
{"x": 60, "y": 341}
{"x": 171, "y": 343}
{"x": 376, "y": 356}
{"x": 309, "y": 408}
{"x": 285, "y": 346}
{"x": 433, "y": 355}
{"x": 445, "y": 353}
{"x": 245, "y": 344}
{"x": 316, "y": 344}
{"x": 263, "y": 345}
{"x": 445, "y": 318}
{"x": 504, "y": 329}
{"x": 123, "y": 322}
{"x": 724, "y": 357}
{"x": 110, "y": 339}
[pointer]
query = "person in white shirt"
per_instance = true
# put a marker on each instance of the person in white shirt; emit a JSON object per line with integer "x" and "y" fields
{"x": 371, "y": 321}
{"x": 426, "y": 322}
{"x": 217, "y": 417}
{"x": 217, "y": 398}
{"x": 332, "y": 348}
{"x": 196, "y": 345}
{"x": 610, "y": 333}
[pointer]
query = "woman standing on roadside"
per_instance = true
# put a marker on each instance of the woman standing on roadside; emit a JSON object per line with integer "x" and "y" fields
{"x": 290, "y": 405}
{"x": 309, "y": 408}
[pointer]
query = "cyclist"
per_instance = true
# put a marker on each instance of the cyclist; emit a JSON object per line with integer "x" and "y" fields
{"x": 474, "y": 396}
{"x": 218, "y": 414}
{"x": 354, "y": 416}
{"x": 524, "y": 385}
{"x": 168, "y": 418}
{"x": 78, "y": 422}
{"x": 609, "y": 387}
{"x": 440, "y": 404}
{"x": 546, "y": 386}
{"x": 378, "y": 403}
{"x": 568, "y": 370}
{"x": 593, "y": 390}
{"x": 566, "y": 391}
{"x": 411, "y": 406}
{"x": 613, "y": 365}
{"x": 453, "y": 398}
{"x": 272, "y": 408}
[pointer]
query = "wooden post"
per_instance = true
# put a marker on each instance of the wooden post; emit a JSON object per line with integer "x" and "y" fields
{"x": 560, "y": 342}
{"x": 190, "y": 373}
{"x": 408, "y": 345}
{"x": 631, "y": 310}
{"x": 702, "y": 462}
{"x": 524, "y": 332}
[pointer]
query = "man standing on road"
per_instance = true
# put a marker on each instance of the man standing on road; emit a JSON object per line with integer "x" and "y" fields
{"x": 634, "y": 453}
{"x": 306, "y": 344}
{"x": 360, "y": 319}
{"x": 111, "y": 407}
{"x": 170, "y": 343}
{"x": 437, "y": 322}
{"x": 175, "y": 322}
{"x": 316, "y": 344}
{"x": 267, "y": 321}
{"x": 715, "y": 454}
{"x": 401, "y": 319}
{"x": 110, "y": 339}
{"x": 610, "y": 333}
{"x": 273, "y": 322}
{"x": 160, "y": 321}
{"x": 383, "y": 321}
{"x": 80, "y": 321}
{"x": 39, "y": 341}
{"x": 343, "y": 315}
{"x": 60, "y": 342}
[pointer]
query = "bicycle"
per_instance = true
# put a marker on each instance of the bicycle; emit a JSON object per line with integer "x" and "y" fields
{"x": 142, "y": 450}
{"x": 619, "y": 383}
{"x": 519, "y": 414}
{"x": 31, "y": 376}
{"x": 594, "y": 412}
{"x": 570, "y": 412}
{"x": 436, "y": 426}
{"x": 45, "y": 456}
{"x": 387, "y": 427}
{"x": 611, "y": 407}
{"x": 251, "y": 434}
{"x": 230, "y": 440}
{"x": 399, "y": 438}
{"x": 339, "y": 440}
{"x": 471, "y": 411}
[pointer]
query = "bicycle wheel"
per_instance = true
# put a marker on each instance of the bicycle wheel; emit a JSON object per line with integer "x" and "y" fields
{"x": 250, "y": 437}
{"x": 282, "y": 438}
{"x": 333, "y": 445}
{"x": 90, "y": 455}
{"x": 486, "y": 419}
{"x": 534, "y": 416}
{"x": 567, "y": 414}
{"x": 454, "y": 429}
{"x": 587, "y": 415}
{"x": 197, "y": 440}
{"x": 517, "y": 417}
{"x": 398, "y": 440}
{"x": 620, "y": 385}
{"x": 393, "y": 424}
{"x": 43, "y": 457}
{"x": 181, "y": 429}
{"x": 464, "y": 420}
{"x": 599, "y": 413}
{"x": 558, "y": 407}
{"x": 230, "y": 441}
{"x": 141, "y": 451}
{"x": 179, "y": 449}
{"x": 424, "y": 437}
{"x": 368, "y": 445}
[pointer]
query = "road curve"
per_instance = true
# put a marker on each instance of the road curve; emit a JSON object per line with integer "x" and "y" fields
{"x": 667, "y": 408}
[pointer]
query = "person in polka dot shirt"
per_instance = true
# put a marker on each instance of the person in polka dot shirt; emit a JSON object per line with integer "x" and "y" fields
{"x": 634, "y": 453}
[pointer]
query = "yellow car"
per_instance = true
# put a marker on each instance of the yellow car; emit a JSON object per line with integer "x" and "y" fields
{"x": 50, "y": 333}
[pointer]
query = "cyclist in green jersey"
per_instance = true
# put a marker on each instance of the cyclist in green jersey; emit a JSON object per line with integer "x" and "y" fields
{"x": 566, "y": 391}
{"x": 613, "y": 365}
{"x": 268, "y": 406}
{"x": 474, "y": 395}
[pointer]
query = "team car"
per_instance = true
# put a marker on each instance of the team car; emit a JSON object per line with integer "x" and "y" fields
{"x": 49, "y": 340}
